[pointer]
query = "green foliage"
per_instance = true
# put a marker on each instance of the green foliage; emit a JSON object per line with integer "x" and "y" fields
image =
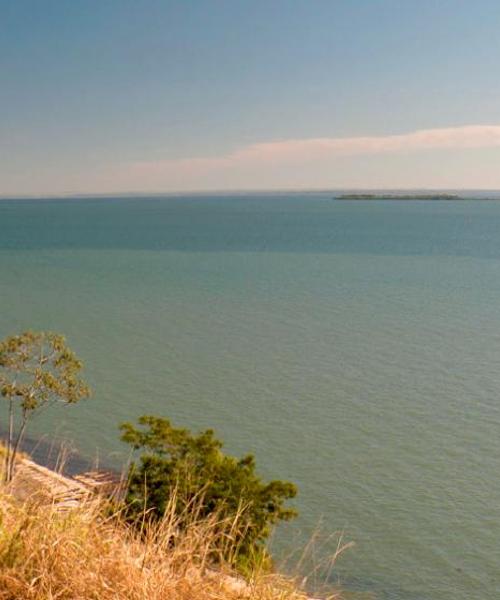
{"x": 36, "y": 370}
{"x": 189, "y": 467}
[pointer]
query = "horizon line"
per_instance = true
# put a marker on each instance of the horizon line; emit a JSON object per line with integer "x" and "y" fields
{"x": 226, "y": 192}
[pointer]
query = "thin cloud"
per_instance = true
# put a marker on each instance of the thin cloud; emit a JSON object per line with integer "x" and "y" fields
{"x": 301, "y": 151}
{"x": 334, "y": 162}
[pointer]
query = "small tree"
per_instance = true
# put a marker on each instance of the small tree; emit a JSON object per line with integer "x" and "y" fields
{"x": 177, "y": 464}
{"x": 36, "y": 369}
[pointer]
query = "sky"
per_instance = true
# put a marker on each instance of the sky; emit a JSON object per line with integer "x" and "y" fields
{"x": 113, "y": 96}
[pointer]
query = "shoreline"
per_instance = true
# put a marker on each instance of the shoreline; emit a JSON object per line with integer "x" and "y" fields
{"x": 46, "y": 485}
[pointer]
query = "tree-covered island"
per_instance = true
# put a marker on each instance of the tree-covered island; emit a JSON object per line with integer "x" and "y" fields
{"x": 393, "y": 196}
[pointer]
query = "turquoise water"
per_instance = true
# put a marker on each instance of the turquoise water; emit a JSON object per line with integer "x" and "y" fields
{"x": 354, "y": 347}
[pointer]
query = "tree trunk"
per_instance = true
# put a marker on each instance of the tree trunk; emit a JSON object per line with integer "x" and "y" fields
{"x": 15, "y": 448}
{"x": 9, "y": 440}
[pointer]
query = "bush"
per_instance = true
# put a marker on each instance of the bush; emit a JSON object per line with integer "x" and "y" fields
{"x": 188, "y": 467}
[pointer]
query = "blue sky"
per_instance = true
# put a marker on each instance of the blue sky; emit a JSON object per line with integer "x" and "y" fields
{"x": 110, "y": 96}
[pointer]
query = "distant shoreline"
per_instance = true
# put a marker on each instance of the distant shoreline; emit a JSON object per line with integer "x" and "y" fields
{"x": 400, "y": 197}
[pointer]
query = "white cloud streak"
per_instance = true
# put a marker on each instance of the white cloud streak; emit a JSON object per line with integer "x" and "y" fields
{"x": 306, "y": 151}
{"x": 448, "y": 158}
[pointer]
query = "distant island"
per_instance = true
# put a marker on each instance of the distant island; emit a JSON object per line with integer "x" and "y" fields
{"x": 399, "y": 197}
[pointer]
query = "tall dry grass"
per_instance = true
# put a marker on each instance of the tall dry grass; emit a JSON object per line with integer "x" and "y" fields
{"x": 89, "y": 552}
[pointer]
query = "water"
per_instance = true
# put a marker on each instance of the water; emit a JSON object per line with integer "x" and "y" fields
{"x": 354, "y": 347}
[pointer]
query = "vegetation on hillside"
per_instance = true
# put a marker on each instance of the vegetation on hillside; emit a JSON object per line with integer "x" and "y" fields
{"x": 81, "y": 554}
{"x": 191, "y": 520}
{"x": 194, "y": 469}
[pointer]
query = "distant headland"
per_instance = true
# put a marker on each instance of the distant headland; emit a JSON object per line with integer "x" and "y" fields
{"x": 399, "y": 197}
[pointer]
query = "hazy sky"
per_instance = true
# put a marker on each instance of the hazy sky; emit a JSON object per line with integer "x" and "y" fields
{"x": 117, "y": 95}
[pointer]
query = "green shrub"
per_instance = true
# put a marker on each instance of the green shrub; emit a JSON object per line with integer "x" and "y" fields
{"x": 193, "y": 469}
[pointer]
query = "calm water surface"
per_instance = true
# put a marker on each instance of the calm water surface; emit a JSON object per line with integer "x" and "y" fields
{"x": 354, "y": 347}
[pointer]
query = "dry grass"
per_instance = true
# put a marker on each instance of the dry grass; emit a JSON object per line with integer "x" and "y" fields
{"x": 48, "y": 554}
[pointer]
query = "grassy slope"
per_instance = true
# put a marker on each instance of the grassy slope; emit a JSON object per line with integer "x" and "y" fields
{"x": 87, "y": 551}
{"x": 46, "y": 553}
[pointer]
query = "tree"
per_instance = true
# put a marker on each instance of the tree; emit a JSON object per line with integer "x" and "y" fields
{"x": 186, "y": 466}
{"x": 37, "y": 369}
